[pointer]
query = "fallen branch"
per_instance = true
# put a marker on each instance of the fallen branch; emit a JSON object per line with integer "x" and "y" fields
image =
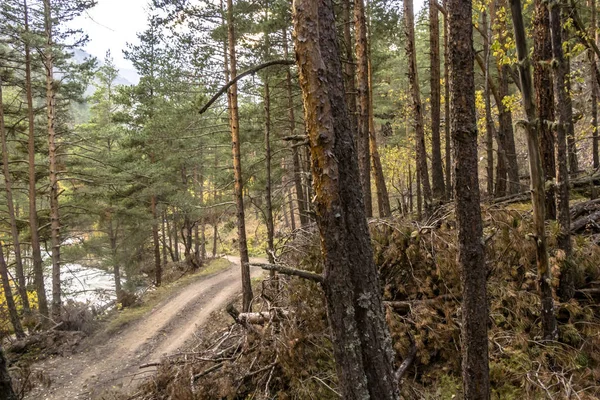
{"x": 311, "y": 276}
{"x": 582, "y": 222}
{"x": 579, "y": 209}
{"x": 259, "y": 318}
{"x": 295, "y": 138}
{"x": 207, "y": 371}
{"x": 405, "y": 306}
{"x": 240, "y": 76}
{"x": 410, "y": 357}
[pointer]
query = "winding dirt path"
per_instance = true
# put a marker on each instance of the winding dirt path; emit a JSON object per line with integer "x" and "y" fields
{"x": 163, "y": 331}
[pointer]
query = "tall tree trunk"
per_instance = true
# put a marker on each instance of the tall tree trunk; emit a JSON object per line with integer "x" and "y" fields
{"x": 489, "y": 123}
{"x": 538, "y": 200}
{"x": 51, "y": 112}
{"x": 234, "y": 122}
{"x": 6, "y": 390}
{"x": 295, "y": 154}
{"x": 268, "y": 189}
{"x": 157, "y": 263}
{"x": 471, "y": 254}
{"x": 175, "y": 234}
{"x": 565, "y": 117}
{"x": 544, "y": 99}
{"x": 8, "y": 296}
{"x": 594, "y": 86}
{"x": 38, "y": 267}
{"x": 383, "y": 198}
{"x": 437, "y": 172}
{"x": 361, "y": 343}
{"x": 447, "y": 110}
{"x": 163, "y": 233}
{"x": 22, "y": 284}
{"x": 112, "y": 237}
{"x": 506, "y": 136}
{"x": 362, "y": 89}
{"x": 349, "y": 69}
{"x": 413, "y": 78}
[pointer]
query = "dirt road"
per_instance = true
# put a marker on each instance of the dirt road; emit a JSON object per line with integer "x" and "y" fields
{"x": 164, "y": 330}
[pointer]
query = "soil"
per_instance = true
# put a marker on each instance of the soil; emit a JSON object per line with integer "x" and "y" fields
{"x": 113, "y": 363}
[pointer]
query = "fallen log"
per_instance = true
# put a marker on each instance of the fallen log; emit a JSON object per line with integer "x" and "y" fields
{"x": 260, "y": 318}
{"x": 584, "y": 207}
{"x": 583, "y": 222}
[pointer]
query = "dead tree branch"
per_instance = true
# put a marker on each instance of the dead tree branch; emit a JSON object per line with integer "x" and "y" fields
{"x": 242, "y": 75}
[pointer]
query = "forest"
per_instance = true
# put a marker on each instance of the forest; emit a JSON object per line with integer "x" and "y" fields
{"x": 307, "y": 199}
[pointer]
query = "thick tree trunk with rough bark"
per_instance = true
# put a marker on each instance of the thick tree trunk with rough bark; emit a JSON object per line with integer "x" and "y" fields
{"x": 471, "y": 256}
{"x": 544, "y": 99}
{"x": 21, "y": 283}
{"x": 349, "y": 68}
{"x": 413, "y": 77}
{"x": 6, "y": 390}
{"x": 362, "y": 90}
{"x": 234, "y": 122}
{"x": 437, "y": 170}
{"x": 52, "y": 155}
{"x": 38, "y": 268}
{"x": 361, "y": 343}
{"x": 565, "y": 118}
{"x": 538, "y": 198}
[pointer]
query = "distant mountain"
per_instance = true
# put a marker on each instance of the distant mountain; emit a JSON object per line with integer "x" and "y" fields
{"x": 126, "y": 76}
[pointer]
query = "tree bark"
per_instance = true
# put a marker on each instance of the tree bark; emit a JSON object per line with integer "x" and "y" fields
{"x": 437, "y": 171}
{"x": 549, "y": 327}
{"x": 362, "y": 89}
{"x": 156, "y": 242}
{"x": 594, "y": 86}
{"x": 21, "y": 283}
{"x": 6, "y": 390}
{"x": 10, "y": 302}
{"x": 471, "y": 253}
{"x": 447, "y": 110}
{"x": 413, "y": 78}
{"x": 349, "y": 69}
{"x": 544, "y": 99}
{"x": 361, "y": 343}
{"x": 506, "y": 136}
{"x": 489, "y": 123}
{"x": 36, "y": 253}
{"x": 268, "y": 190}
{"x": 51, "y": 112}
{"x": 234, "y": 122}
{"x": 565, "y": 117}
{"x": 112, "y": 237}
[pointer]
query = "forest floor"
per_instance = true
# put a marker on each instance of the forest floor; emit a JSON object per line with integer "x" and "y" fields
{"x": 111, "y": 361}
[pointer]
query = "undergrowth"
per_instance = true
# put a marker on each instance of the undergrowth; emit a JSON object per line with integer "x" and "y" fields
{"x": 290, "y": 356}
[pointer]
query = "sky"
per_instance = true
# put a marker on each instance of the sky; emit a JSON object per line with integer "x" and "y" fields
{"x": 110, "y": 25}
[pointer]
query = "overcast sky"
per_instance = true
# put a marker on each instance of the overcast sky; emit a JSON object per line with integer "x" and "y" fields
{"x": 111, "y": 24}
